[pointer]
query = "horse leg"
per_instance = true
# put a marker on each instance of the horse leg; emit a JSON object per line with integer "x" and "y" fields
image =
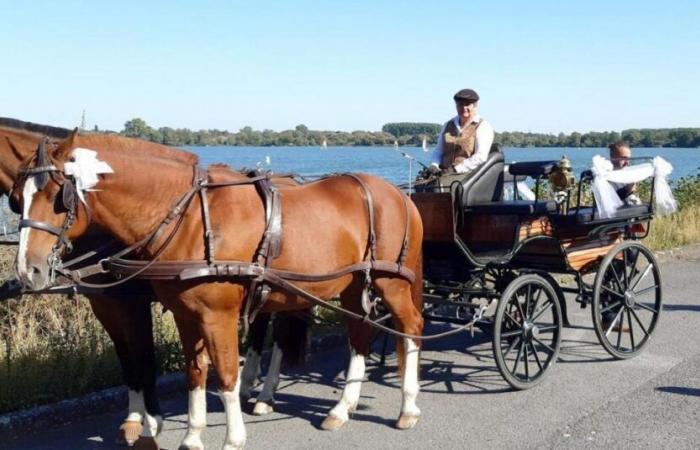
{"x": 197, "y": 365}
{"x": 401, "y": 300}
{"x": 266, "y": 398}
{"x": 221, "y": 338}
{"x": 128, "y": 323}
{"x": 251, "y": 367}
{"x": 359, "y": 340}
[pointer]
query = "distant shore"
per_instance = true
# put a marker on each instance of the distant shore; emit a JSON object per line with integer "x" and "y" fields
{"x": 403, "y": 134}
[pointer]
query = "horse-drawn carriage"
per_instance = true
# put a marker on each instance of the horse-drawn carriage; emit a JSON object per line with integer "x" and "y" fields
{"x": 505, "y": 265}
{"x": 212, "y": 242}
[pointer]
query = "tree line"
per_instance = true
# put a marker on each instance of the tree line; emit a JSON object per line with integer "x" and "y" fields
{"x": 403, "y": 133}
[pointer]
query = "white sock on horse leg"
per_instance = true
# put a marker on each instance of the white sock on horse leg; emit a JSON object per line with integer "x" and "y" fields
{"x": 196, "y": 418}
{"x": 353, "y": 384}
{"x": 410, "y": 386}
{"x": 235, "y": 428}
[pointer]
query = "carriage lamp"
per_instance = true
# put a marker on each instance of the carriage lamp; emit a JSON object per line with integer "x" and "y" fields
{"x": 562, "y": 180}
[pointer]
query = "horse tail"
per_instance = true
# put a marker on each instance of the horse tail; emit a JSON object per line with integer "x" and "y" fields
{"x": 292, "y": 335}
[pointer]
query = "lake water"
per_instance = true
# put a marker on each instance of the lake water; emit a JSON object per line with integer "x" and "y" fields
{"x": 390, "y": 164}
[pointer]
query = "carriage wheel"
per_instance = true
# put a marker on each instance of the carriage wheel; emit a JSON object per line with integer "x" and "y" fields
{"x": 527, "y": 331}
{"x": 626, "y": 299}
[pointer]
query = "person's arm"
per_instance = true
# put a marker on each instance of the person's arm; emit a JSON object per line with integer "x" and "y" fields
{"x": 484, "y": 140}
{"x": 436, "y": 155}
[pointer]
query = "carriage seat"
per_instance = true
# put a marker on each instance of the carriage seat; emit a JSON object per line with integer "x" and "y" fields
{"x": 485, "y": 184}
{"x": 515, "y": 208}
{"x": 587, "y": 215}
{"x": 534, "y": 169}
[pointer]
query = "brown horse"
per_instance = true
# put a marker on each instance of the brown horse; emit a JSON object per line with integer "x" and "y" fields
{"x": 124, "y": 310}
{"x": 325, "y": 229}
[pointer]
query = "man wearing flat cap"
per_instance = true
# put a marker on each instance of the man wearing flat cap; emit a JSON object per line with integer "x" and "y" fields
{"x": 465, "y": 140}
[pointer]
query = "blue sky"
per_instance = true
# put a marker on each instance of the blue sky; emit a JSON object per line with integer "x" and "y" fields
{"x": 545, "y": 66}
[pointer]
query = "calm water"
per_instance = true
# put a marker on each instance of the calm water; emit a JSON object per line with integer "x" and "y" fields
{"x": 390, "y": 164}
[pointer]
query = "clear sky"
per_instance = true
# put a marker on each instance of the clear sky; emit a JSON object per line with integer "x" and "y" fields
{"x": 541, "y": 66}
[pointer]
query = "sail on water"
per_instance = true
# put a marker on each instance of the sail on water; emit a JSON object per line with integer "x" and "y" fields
{"x": 425, "y": 144}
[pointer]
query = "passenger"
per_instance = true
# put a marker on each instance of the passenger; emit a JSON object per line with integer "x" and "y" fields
{"x": 620, "y": 154}
{"x": 464, "y": 141}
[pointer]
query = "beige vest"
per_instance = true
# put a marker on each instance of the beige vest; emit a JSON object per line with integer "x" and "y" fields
{"x": 458, "y": 146}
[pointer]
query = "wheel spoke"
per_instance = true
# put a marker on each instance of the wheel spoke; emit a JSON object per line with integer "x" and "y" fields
{"x": 527, "y": 364}
{"x": 645, "y": 290}
{"x": 511, "y": 333}
{"x": 520, "y": 307}
{"x": 551, "y": 350}
{"x": 634, "y": 314}
{"x": 609, "y": 307}
{"x": 612, "y": 325}
{"x": 517, "y": 358}
{"x": 643, "y": 275}
{"x": 541, "y": 311}
{"x": 617, "y": 277}
{"x": 537, "y": 302}
{"x": 612, "y": 292}
{"x": 537, "y": 358}
{"x": 528, "y": 296}
{"x": 629, "y": 320}
{"x": 548, "y": 328}
{"x": 648, "y": 308}
{"x": 633, "y": 265}
{"x": 624, "y": 267}
{"x": 619, "y": 330}
{"x": 515, "y": 322}
{"x": 511, "y": 347}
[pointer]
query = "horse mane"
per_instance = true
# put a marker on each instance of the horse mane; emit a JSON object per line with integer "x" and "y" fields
{"x": 46, "y": 130}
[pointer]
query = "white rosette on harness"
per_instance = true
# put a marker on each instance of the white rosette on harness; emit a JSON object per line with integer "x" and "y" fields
{"x": 85, "y": 169}
{"x": 606, "y": 197}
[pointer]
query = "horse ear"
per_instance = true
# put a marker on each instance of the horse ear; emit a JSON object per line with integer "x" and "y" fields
{"x": 67, "y": 144}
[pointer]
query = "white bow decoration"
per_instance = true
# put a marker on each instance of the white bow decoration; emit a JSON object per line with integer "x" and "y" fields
{"x": 85, "y": 169}
{"x": 607, "y": 200}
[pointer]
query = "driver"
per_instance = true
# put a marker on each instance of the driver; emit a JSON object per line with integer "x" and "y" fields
{"x": 465, "y": 140}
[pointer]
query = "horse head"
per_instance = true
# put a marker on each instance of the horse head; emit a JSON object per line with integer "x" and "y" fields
{"x": 45, "y": 195}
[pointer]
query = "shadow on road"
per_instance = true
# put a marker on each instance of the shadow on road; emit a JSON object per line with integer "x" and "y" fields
{"x": 694, "y": 392}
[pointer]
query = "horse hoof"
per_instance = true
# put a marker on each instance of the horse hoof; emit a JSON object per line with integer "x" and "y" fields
{"x": 332, "y": 423}
{"x": 407, "y": 421}
{"x": 262, "y": 409}
{"x": 190, "y": 447}
{"x": 146, "y": 443}
{"x": 129, "y": 432}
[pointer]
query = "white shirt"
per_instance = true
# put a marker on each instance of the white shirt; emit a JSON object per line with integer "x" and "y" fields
{"x": 484, "y": 140}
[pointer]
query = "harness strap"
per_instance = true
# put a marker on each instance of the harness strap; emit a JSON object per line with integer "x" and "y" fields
{"x": 200, "y": 179}
{"x": 56, "y": 231}
{"x": 370, "y": 213}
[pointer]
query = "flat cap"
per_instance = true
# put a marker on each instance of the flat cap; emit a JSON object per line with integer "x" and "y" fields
{"x": 466, "y": 95}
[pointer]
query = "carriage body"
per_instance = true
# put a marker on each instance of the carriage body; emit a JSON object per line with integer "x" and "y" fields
{"x": 496, "y": 263}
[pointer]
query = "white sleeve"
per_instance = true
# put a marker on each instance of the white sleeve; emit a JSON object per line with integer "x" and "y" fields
{"x": 484, "y": 140}
{"x": 436, "y": 155}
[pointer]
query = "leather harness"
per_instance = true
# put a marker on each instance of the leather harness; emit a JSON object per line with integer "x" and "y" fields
{"x": 262, "y": 276}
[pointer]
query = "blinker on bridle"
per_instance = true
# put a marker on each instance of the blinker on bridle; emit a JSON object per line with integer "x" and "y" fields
{"x": 41, "y": 173}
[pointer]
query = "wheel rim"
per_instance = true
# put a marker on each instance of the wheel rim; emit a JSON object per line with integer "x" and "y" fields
{"x": 627, "y": 299}
{"x": 528, "y": 331}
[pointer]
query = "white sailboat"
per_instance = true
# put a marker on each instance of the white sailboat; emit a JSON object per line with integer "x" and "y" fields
{"x": 396, "y": 144}
{"x": 425, "y": 144}
{"x": 324, "y": 145}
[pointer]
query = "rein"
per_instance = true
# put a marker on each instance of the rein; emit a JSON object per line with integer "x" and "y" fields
{"x": 259, "y": 272}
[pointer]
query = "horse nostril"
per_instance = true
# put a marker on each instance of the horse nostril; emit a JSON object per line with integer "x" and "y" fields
{"x": 37, "y": 277}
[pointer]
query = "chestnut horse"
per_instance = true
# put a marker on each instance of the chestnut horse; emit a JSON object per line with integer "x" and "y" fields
{"x": 326, "y": 228}
{"x": 124, "y": 310}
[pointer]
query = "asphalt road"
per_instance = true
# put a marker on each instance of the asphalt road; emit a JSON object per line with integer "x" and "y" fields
{"x": 587, "y": 401}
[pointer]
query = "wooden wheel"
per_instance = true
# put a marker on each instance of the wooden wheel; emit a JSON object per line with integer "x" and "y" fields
{"x": 627, "y": 299}
{"x": 527, "y": 331}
